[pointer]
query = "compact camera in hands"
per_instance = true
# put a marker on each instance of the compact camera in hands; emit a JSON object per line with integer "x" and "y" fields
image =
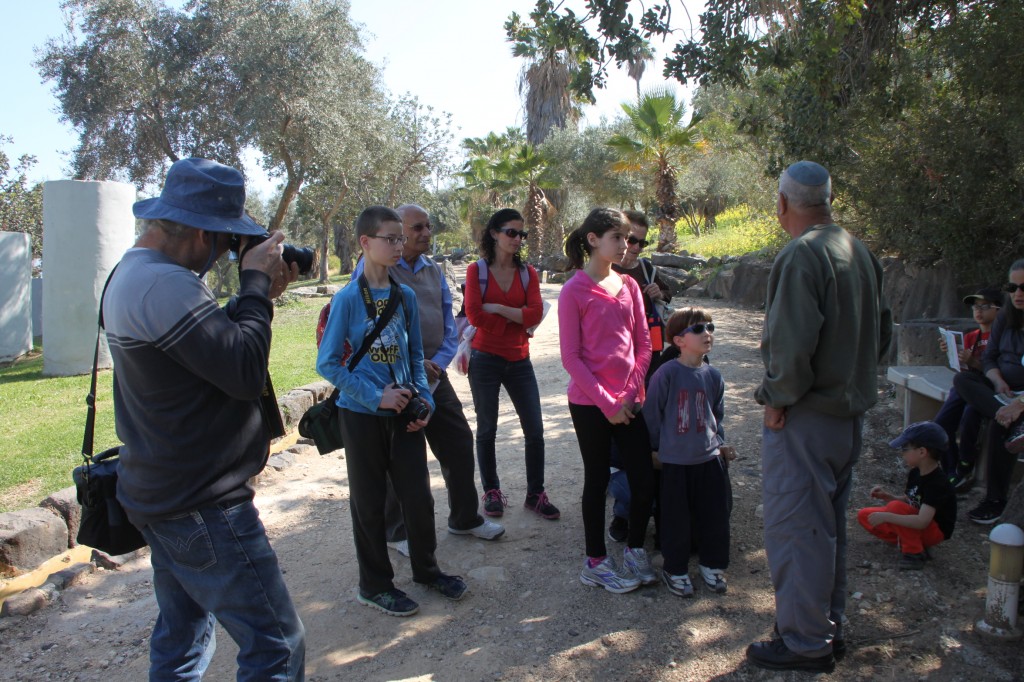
{"x": 417, "y": 407}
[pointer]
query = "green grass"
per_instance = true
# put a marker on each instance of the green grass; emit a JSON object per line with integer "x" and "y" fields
{"x": 44, "y": 417}
{"x": 739, "y": 230}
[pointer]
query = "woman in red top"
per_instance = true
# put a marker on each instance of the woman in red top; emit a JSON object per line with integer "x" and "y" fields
{"x": 502, "y": 308}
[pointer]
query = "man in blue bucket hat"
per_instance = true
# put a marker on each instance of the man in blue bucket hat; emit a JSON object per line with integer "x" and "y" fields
{"x": 188, "y": 378}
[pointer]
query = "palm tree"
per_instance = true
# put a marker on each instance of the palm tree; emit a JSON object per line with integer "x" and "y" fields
{"x": 550, "y": 83}
{"x": 524, "y": 167}
{"x": 656, "y": 142}
{"x": 636, "y": 64}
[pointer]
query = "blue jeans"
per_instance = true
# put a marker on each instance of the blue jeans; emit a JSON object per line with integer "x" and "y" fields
{"x": 487, "y": 374}
{"x": 216, "y": 563}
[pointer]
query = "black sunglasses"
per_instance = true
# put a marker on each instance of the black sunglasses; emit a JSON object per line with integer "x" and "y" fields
{"x": 512, "y": 234}
{"x": 1011, "y": 287}
{"x": 698, "y": 328}
{"x": 633, "y": 241}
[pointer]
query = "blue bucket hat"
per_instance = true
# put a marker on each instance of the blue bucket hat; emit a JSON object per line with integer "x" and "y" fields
{"x": 924, "y": 435}
{"x": 202, "y": 194}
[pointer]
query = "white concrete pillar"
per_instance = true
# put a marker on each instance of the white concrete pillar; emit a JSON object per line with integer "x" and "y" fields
{"x": 87, "y": 227}
{"x": 16, "y": 302}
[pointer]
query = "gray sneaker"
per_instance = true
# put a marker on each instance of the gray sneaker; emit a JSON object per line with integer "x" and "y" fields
{"x": 608, "y": 576}
{"x": 636, "y": 564}
{"x": 713, "y": 578}
{"x": 402, "y": 547}
{"x": 678, "y": 585}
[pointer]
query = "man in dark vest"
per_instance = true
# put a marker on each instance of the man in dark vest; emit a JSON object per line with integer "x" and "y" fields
{"x": 447, "y": 432}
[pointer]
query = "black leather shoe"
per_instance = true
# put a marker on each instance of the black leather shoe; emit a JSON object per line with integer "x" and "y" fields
{"x": 838, "y": 644}
{"x": 773, "y": 654}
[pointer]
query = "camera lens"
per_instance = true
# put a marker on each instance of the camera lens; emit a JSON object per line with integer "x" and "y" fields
{"x": 303, "y": 256}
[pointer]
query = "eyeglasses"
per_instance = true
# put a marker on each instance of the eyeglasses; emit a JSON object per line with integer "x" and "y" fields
{"x": 633, "y": 241}
{"x": 512, "y": 234}
{"x": 419, "y": 227}
{"x": 980, "y": 308}
{"x": 392, "y": 239}
{"x": 1011, "y": 287}
{"x": 698, "y": 328}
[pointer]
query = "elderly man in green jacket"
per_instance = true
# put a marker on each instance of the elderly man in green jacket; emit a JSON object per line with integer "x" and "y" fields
{"x": 826, "y": 327}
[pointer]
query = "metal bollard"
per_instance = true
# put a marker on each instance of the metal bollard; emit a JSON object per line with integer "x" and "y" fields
{"x": 1004, "y": 575}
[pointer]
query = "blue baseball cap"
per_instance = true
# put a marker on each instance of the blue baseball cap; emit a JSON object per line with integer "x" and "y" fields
{"x": 202, "y": 194}
{"x": 922, "y": 434}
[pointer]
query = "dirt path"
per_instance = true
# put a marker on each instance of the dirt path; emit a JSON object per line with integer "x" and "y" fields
{"x": 527, "y": 617}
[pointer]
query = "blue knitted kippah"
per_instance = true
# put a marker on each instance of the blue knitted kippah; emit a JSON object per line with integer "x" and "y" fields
{"x": 808, "y": 173}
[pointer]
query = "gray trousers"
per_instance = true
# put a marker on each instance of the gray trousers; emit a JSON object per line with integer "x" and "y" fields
{"x": 806, "y": 478}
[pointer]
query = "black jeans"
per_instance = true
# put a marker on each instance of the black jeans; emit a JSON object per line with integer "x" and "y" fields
{"x": 487, "y": 374}
{"x": 451, "y": 441}
{"x": 378, "y": 448}
{"x": 595, "y": 435}
{"x": 979, "y": 393}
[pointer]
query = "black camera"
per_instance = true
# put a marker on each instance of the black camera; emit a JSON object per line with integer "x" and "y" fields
{"x": 305, "y": 257}
{"x": 417, "y": 407}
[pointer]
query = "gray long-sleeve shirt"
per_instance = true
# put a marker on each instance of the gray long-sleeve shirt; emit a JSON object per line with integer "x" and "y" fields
{"x": 187, "y": 378}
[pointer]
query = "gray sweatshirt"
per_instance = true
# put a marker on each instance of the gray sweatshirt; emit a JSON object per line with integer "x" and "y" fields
{"x": 684, "y": 411}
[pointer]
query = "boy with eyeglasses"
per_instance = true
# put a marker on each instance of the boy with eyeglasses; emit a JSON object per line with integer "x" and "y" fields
{"x": 925, "y": 514}
{"x": 383, "y": 395}
{"x": 955, "y": 414}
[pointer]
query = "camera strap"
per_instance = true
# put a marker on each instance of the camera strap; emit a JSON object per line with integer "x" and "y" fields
{"x": 394, "y": 299}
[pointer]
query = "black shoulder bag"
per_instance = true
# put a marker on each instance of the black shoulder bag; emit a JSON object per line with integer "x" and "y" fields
{"x": 104, "y": 525}
{"x": 322, "y": 422}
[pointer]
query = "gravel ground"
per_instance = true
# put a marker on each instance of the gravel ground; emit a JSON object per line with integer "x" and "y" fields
{"x": 526, "y": 616}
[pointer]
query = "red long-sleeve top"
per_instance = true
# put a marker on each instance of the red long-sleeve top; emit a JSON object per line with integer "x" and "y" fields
{"x": 495, "y": 333}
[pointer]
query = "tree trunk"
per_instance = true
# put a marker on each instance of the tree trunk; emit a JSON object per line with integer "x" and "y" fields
{"x": 534, "y": 221}
{"x": 327, "y": 232}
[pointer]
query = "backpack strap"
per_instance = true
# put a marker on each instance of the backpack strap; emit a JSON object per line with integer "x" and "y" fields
{"x": 481, "y": 271}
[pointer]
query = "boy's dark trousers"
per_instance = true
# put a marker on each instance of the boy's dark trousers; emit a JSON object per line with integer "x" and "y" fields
{"x": 377, "y": 448}
{"x": 451, "y": 441}
{"x": 695, "y": 499}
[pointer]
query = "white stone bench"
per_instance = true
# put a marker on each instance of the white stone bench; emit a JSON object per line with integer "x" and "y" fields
{"x": 925, "y": 388}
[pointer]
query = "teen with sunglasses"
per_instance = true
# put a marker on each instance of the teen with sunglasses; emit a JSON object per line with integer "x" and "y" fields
{"x": 684, "y": 414}
{"x": 606, "y": 350}
{"x": 501, "y": 357}
{"x": 994, "y": 395}
{"x": 655, "y": 294}
{"x": 654, "y": 289}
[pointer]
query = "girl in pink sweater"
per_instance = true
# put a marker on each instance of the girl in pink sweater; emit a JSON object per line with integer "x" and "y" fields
{"x": 606, "y": 349}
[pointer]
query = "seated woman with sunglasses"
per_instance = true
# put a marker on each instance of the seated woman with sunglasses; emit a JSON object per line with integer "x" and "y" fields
{"x": 653, "y": 288}
{"x": 503, "y": 301}
{"x": 994, "y": 395}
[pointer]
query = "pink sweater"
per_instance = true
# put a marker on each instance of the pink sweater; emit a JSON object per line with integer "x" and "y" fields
{"x": 606, "y": 347}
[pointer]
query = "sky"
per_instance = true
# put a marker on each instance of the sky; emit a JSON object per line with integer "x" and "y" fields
{"x": 452, "y": 54}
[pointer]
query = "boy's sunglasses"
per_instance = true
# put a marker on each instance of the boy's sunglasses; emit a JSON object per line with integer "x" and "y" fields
{"x": 1011, "y": 287}
{"x": 512, "y": 234}
{"x": 633, "y": 241}
{"x": 698, "y": 328}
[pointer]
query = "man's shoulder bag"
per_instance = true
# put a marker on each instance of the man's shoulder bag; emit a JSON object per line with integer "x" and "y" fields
{"x": 104, "y": 525}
